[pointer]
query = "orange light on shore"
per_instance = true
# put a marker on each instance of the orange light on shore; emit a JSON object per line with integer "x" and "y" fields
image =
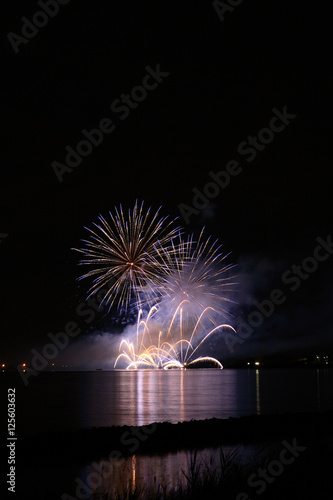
{"x": 23, "y": 364}
{"x": 3, "y": 365}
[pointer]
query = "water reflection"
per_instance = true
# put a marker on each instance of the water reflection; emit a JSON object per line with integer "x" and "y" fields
{"x": 102, "y": 399}
{"x": 138, "y": 397}
{"x": 182, "y": 414}
{"x": 145, "y": 396}
{"x": 133, "y": 473}
{"x": 175, "y": 396}
{"x": 257, "y": 392}
{"x": 160, "y": 472}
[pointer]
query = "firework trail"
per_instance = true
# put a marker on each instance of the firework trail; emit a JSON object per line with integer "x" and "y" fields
{"x": 167, "y": 348}
{"x": 124, "y": 255}
{"x": 195, "y": 271}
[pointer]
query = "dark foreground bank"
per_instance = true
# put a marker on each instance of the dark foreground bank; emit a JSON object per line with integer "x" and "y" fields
{"x": 89, "y": 444}
{"x": 299, "y": 465}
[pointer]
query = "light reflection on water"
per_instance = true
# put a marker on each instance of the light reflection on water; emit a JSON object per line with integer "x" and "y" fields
{"x": 79, "y": 400}
{"x": 147, "y": 396}
{"x": 169, "y": 471}
{"x": 257, "y": 393}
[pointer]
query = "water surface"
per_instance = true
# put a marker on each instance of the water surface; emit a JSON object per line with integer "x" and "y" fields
{"x": 76, "y": 400}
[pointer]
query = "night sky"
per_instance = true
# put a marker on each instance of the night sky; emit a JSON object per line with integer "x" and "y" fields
{"x": 219, "y": 82}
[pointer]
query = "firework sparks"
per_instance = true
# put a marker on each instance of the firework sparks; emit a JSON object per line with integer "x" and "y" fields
{"x": 138, "y": 258}
{"x": 167, "y": 353}
{"x": 124, "y": 254}
{"x": 195, "y": 271}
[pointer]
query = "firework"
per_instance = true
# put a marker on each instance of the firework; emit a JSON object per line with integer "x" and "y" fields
{"x": 139, "y": 256}
{"x": 124, "y": 253}
{"x": 195, "y": 271}
{"x": 173, "y": 347}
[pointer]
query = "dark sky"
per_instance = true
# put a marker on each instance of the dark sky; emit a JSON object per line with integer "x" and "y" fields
{"x": 224, "y": 80}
